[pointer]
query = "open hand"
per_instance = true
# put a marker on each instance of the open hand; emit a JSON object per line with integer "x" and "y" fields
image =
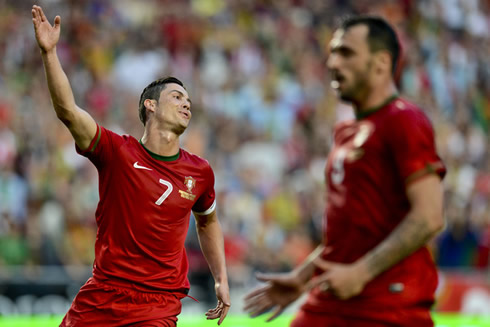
{"x": 221, "y": 310}
{"x": 47, "y": 36}
{"x": 280, "y": 291}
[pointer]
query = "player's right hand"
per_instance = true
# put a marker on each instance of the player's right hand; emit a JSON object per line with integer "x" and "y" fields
{"x": 47, "y": 36}
{"x": 280, "y": 291}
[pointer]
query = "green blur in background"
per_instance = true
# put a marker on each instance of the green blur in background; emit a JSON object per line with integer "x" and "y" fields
{"x": 442, "y": 320}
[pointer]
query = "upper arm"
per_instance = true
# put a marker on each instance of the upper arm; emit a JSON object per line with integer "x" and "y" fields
{"x": 412, "y": 142}
{"x": 82, "y": 127}
{"x": 426, "y": 200}
{"x": 419, "y": 166}
{"x": 206, "y": 203}
{"x": 206, "y": 219}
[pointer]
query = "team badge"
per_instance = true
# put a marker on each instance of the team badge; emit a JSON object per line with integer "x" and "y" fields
{"x": 190, "y": 183}
{"x": 363, "y": 133}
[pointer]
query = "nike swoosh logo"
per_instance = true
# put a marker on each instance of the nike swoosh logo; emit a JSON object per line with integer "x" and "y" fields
{"x": 140, "y": 167}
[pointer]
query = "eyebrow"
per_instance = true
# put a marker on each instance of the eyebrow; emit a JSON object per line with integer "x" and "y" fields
{"x": 342, "y": 48}
{"x": 190, "y": 102}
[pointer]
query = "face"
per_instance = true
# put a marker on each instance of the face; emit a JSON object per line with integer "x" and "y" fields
{"x": 173, "y": 110}
{"x": 350, "y": 62}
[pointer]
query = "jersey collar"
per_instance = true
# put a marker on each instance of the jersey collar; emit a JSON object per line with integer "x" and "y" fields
{"x": 369, "y": 111}
{"x": 159, "y": 157}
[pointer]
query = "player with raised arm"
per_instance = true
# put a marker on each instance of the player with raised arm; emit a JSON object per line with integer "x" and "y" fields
{"x": 148, "y": 189}
{"x": 384, "y": 200}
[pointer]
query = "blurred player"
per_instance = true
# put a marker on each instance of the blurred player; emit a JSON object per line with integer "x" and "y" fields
{"x": 147, "y": 191}
{"x": 384, "y": 200}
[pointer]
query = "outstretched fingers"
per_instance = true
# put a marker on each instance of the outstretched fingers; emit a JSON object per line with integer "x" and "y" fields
{"x": 35, "y": 17}
{"x": 215, "y": 313}
{"x": 258, "y": 305}
{"x": 257, "y": 292}
{"x": 277, "y": 311}
{"x": 226, "y": 307}
{"x": 220, "y": 311}
{"x": 40, "y": 12}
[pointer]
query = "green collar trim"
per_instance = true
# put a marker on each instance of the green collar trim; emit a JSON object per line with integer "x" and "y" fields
{"x": 159, "y": 157}
{"x": 367, "y": 112}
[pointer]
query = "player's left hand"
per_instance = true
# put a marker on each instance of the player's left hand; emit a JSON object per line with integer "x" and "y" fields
{"x": 221, "y": 310}
{"x": 342, "y": 280}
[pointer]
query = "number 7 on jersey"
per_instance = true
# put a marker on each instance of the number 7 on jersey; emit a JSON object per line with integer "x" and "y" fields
{"x": 166, "y": 193}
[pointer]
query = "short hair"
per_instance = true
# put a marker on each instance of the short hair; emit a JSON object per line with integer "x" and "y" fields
{"x": 152, "y": 91}
{"x": 381, "y": 35}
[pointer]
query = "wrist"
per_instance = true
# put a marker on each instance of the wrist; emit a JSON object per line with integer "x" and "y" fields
{"x": 220, "y": 280}
{"x": 49, "y": 52}
{"x": 364, "y": 272}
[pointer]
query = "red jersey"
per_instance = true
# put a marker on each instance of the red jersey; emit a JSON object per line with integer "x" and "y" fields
{"x": 372, "y": 160}
{"x": 143, "y": 212}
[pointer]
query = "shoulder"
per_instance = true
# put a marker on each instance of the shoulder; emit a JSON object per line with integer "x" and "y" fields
{"x": 402, "y": 113}
{"x": 194, "y": 159}
{"x": 116, "y": 134}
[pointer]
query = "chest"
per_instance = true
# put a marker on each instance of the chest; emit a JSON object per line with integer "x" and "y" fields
{"x": 157, "y": 187}
{"x": 359, "y": 151}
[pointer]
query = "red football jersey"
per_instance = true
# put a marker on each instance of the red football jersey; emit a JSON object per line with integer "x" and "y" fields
{"x": 143, "y": 212}
{"x": 372, "y": 160}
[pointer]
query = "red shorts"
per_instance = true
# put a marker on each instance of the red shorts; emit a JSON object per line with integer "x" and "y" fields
{"x": 100, "y": 304}
{"x": 414, "y": 318}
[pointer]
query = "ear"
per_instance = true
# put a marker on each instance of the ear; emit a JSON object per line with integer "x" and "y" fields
{"x": 150, "y": 104}
{"x": 382, "y": 61}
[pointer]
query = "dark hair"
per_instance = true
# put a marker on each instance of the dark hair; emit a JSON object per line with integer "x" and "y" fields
{"x": 152, "y": 91}
{"x": 381, "y": 35}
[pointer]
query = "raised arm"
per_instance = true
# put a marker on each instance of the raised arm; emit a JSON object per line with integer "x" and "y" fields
{"x": 81, "y": 125}
{"x": 212, "y": 246}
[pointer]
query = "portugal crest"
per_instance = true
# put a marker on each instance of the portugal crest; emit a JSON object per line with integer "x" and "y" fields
{"x": 190, "y": 183}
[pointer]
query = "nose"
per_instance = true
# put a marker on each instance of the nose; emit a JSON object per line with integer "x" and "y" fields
{"x": 333, "y": 61}
{"x": 187, "y": 106}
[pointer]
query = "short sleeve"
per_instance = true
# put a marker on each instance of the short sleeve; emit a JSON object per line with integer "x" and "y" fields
{"x": 101, "y": 148}
{"x": 411, "y": 139}
{"x": 206, "y": 203}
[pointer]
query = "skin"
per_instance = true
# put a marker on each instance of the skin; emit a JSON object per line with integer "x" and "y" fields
{"x": 364, "y": 79}
{"x": 167, "y": 120}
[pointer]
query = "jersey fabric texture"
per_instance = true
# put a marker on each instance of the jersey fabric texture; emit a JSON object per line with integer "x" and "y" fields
{"x": 143, "y": 213}
{"x": 372, "y": 161}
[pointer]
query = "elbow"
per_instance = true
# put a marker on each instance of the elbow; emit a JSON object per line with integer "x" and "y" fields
{"x": 65, "y": 116}
{"x": 435, "y": 224}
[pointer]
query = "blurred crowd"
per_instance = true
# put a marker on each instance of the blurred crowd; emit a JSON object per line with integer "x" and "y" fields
{"x": 263, "y": 114}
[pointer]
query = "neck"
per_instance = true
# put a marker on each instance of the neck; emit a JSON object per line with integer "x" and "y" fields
{"x": 162, "y": 142}
{"x": 374, "y": 98}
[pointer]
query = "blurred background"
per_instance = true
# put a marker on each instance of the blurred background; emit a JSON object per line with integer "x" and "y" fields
{"x": 263, "y": 114}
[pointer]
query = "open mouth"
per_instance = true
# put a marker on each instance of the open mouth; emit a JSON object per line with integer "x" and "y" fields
{"x": 185, "y": 114}
{"x": 336, "y": 81}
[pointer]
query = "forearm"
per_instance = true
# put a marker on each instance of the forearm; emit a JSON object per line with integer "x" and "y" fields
{"x": 305, "y": 271}
{"x": 410, "y": 235}
{"x": 212, "y": 246}
{"x": 59, "y": 86}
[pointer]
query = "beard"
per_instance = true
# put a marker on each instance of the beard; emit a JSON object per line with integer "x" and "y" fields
{"x": 359, "y": 88}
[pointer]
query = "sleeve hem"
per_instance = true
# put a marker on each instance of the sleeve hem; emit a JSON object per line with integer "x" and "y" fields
{"x": 430, "y": 168}
{"x": 93, "y": 144}
{"x": 207, "y": 212}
